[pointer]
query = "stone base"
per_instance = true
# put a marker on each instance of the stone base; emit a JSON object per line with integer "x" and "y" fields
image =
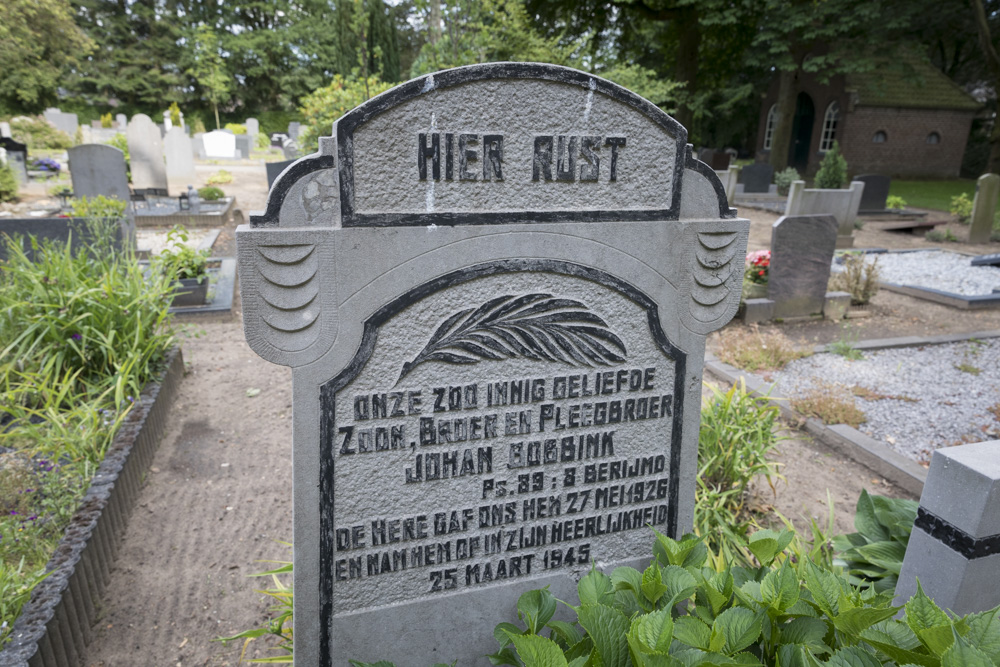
{"x": 836, "y": 305}
{"x": 845, "y": 242}
{"x": 952, "y": 580}
{"x": 758, "y": 310}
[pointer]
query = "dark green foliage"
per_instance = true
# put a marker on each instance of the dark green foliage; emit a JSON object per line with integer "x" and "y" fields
{"x": 832, "y": 172}
{"x": 8, "y": 184}
{"x": 873, "y": 555}
{"x": 39, "y": 133}
{"x": 211, "y": 193}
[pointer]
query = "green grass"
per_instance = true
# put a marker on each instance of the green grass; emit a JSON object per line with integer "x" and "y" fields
{"x": 932, "y": 194}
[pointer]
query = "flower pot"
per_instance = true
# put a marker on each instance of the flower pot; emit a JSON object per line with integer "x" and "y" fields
{"x": 754, "y": 290}
{"x": 189, "y": 292}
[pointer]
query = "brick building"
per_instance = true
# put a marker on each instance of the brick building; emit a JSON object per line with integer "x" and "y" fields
{"x": 914, "y": 124}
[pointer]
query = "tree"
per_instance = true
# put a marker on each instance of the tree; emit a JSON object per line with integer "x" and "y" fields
{"x": 992, "y": 60}
{"x": 39, "y": 41}
{"x": 209, "y": 69}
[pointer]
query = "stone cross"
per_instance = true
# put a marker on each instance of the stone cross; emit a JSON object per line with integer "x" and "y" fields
{"x": 802, "y": 248}
{"x": 954, "y": 549}
{"x": 145, "y": 148}
{"x": 984, "y": 208}
{"x": 493, "y": 285}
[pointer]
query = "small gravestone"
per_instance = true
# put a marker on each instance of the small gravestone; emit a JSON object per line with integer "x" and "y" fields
{"x": 180, "y": 158}
{"x": 802, "y": 248}
{"x": 293, "y": 130}
{"x": 5, "y": 129}
{"x": 244, "y": 143}
{"x": 219, "y": 144}
{"x": 17, "y": 158}
{"x": 986, "y": 260}
{"x": 495, "y": 317}
{"x": 198, "y": 145}
{"x": 65, "y": 122}
{"x": 954, "y": 549}
{"x": 278, "y": 139}
{"x": 145, "y": 149}
{"x": 757, "y": 177}
{"x": 122, "y": 121}
{"x": 984, "y": 208}
{"x": 98, "y": 169}
{"x": 876, "y": 192}
{"x": 253, "y": 128}
{"x": 274, "y": 169}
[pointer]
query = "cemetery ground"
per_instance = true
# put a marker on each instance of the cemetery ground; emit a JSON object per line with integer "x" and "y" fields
{"x": 217, "y": 499}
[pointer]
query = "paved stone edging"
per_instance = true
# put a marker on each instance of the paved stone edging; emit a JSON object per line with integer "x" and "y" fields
{"x": 846, "y": 440}
{"x": 54, "y": 627}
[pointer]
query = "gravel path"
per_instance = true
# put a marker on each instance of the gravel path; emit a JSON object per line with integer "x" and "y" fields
{"x": 918, "y": 399}
{"x": 936, "y": 269}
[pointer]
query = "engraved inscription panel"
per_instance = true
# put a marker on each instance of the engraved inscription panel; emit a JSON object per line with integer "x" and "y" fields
{"x": 501, "y": 429}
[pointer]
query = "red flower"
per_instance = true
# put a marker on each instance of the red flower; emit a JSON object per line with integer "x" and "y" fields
{"x": 760, "y": 273}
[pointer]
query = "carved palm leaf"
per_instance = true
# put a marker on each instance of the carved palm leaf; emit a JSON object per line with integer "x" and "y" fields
{"x": 537, "y": 326}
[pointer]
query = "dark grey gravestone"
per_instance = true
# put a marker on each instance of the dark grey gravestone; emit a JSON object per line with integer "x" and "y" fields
{"x": 802, "y": 248}
{"x": 56, "y": 230}
{"x": 481, "y": 313}
{"x": 986, "y": 260}
{"x": 98, "y": 169}
{"x": 757, "y": 177}
{"x": 274, "y": 169}
{"x": 720, "y": 161}
{"x": 875, "y": 193}
{"x": 244, "y": 142}
{"x": 17, "y": 158}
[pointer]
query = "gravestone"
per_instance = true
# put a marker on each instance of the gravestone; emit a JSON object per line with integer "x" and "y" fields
{"x": 5, "y": 129}
{"x": 198, "y": 145}
{"x": 757, "y": 177}
{"x": 219, "y": 144}
{"x": 986, "y": 260}
{"x": 954, "y": 549}
{"x": 180, "y": 159}
{"x": 274, "y": 169}
{"x": 984, "y": 208}
{"x": 98, "y": 169}
{"x": 496, "y": 325}
{"x": 122, "y": 121}
{"x": 278, "y": 139}
{"x": 802, "y": 248}
{"x": 293, "y": 130}
{"x": 145, "y": 148}
{"x": 253, "y": 128}
{"x": 17, "y": 158}
{"x": 65, "y": 122}
{"x": 875, "y": 193}
{"x": 244, "y": 143}
{"x": 167, "y": 122}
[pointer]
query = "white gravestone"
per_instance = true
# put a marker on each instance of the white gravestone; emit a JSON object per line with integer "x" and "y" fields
{"x": 122, "y": 121}
{"x": 179, "y": 154}
{"x": 495, "y": 317}
{"x": 145, "y": 148}
{"x": 219, "y": 144}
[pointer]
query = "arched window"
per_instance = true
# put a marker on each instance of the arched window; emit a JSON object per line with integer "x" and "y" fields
{"x": 933, "y": 138}
{"x": 772, "y": 120}
{"x": 829, "y": 126}
{"x": 880, "y": 137}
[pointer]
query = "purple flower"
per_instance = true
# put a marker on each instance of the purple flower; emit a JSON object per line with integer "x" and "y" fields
{"x": 77, "y": 336}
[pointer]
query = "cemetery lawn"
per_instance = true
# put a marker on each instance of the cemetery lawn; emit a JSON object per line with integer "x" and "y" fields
{"x": 934, "y": 195}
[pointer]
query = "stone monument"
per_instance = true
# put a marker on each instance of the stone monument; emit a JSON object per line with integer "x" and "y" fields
{"x": 253, "y": 128}
{"x": 984, "y": 207}
{"x": 179, "y": 154}
{"x": 98, "y": 169}
{"x": 145, "y": 149}
{"x": 219, "y": 144}
{"x": 757, "y": 177}
{"x": 496, "y": 327}
{"x": 802, "y": 248}
{"x": 17, "y": 158}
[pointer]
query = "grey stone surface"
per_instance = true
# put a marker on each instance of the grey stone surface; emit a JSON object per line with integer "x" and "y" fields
{"x": 253, "y": 127}
{"x": 54, "y": 229}
{"x": 757, "y": 177}
{"x": 986, "y": 260}
{"x": 876, "y": 191}
{"x": 954, "y": 555}
{"x": 984, "y": 208}
{"x": 198, "y": 145}
{"x": 370, "y": 280}
{"x": 274, "y": 169}
{"x": 758, "y": 310}
{"x": 219, "y": 144}
{"x": 244, "y": 143}
{"x": 145, "y": 148}
{"x": 180, "y": 159}
{"x": 122, "y": 121}
{"x": 98, "y": 169}
{"x": 836, "y": 305}
{"x": 66, "y": 122}
{"x": 841, "y": 204}
{"x": 17, "y": 158}
{"x": 4, "y": 129}
{"x": 801, "y": 251}
{"x": 293, "y": 130}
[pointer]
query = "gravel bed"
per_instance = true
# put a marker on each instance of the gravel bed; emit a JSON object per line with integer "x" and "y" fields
{"x": 155, "y": 240}
{"x": 919, "y": 398}
{"x": 936, "y": 269}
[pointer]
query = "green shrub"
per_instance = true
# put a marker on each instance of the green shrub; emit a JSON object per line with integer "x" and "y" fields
{"x": 106, "y": 120}
{"x": 895, "y": 202}
{"x": 939, "y": 236}
{"x": 211, "y": 193}
{"x": 961, "y": 208}
{"x": 325, "y": 105}
{"x": 179, "y": 261}
{"x": 197, "y": 125}
{"x": 236, "y": 128}
{"x": 175, "y": 114}
{"x": 784, "y": 178}
{"x": 38, "y": 133}
{"x": 220, "y": 177}
{"x": 263, "y": 141}
{"x": 8, "y": 184}
{"x": 832, "y": 172}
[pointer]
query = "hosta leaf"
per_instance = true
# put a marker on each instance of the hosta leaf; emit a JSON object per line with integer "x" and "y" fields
{"x": 535, "y": 608}
{"x": 653, "y": 631}
{"x": 888, "y": 555}
{"x": 740, "y": 627}
{"x": 652, "y": 583}
{"x": 780, "y": 588}
{"x": 595, "y": 588}
{"x": 692, "y": 631}
{"x": 866, "y": 521}
{"x": 537, "y": 651}
{"x": 853, "y": 656}
{"x": 923, "y": 613}
{"x": 607, "y": 627}
{"x": 964, "y": 654}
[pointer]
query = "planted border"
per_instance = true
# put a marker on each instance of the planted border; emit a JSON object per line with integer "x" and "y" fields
{"x": 54, "y": 627}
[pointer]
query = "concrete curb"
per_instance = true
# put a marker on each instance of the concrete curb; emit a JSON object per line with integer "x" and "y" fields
{"x": 54, "y": 627}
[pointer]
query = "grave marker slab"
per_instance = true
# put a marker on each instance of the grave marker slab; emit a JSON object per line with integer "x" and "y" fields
{"x": 179, "y": 154}
{"x": 98, "y": 169}
{"x": 17, "y": 158}
{"x": 274, "y": 169}
{"x": 986, "y": 260}
{"x": 875, "y": 193}
{"x": 244, "y": 143}
{"x": 5, "y": 129}
{"x": 145, "y": 148}
{"x": 802, "y": 248}
{"x": 219, "y": 144}
{"x": 122, "y": 121}
{"x": 293, "y": 130}
{"x": 757, "y": 177}
{"x": 984, "y": 207}
{"x": 253, "y": 127}
{"x": 66, "y": 122}
{"x": 496, "y": 324}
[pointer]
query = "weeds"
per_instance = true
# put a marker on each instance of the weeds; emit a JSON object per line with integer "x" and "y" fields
{"x": 829, "y": 403}
{"x": 750, "y": 349}
{"x": 280, "y": 624}
{"x": 968, "y": 368}
{"x": 961, "y": 208}
{"x": 859, "y": 278}
{"x": 995, "y": 411}
{"x": 938, "y": 236}
{"x": 867, "y": 394}
{"x": 845, "y": 346}
{"x": 220, "y": 177}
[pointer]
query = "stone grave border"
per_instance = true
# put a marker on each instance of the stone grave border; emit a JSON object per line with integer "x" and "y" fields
{"x": 190, "y": 220}
{"x": 841, "y": 438}
{"x": 54, "y": 627}
{"x": 225, "y": 286}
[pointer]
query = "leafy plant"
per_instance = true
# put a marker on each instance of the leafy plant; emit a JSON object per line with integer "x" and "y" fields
{"x": 938, "y": 236}
{"x": 279, "y": 625}
{"x": 38, "y": 133}
{"x": 8, "y": 184}
{"x": 178, "y": 260}
{"x": 236, "y": 128}
{"x": 220, "y": 177}
{"x": 751, "y": 349}
{"x": 175, "y": 114}
{"x": 832, "y": 172}
{"x": 873, "y": 555}
{"x": 845, "y": 345}
{"x": 758, "y": 265}
{"x": 829, "y": 403}
{"x": 961, "y": 208}
{"x": 211, "y": 193}
{"x": 859, "y": 278}
{"x": 106, "y": 120}
{"x": 103, "y": 217}
{"x": 784, "y": 179}
{"x": 895, "y": 202}
{"x": 325, "y": 105}
{"x": 120, "y": 141}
